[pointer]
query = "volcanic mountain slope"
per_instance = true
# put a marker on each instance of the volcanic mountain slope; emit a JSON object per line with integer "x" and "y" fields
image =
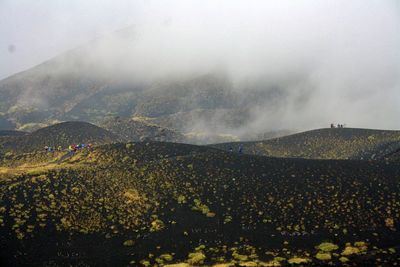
{"x": 153, "y": 204}
{"x": 73, "y": 87}
{"x": 62, "y": 134}
{"x": 183, "y": 105}
{"x": 138, "y": 129}
{"x": 11, "y": 133}
{"x": 392, "y": 156}
{"x": 6, "y": 124}
{"x": 337, "y": 143}
{"x": 88, "y": 85}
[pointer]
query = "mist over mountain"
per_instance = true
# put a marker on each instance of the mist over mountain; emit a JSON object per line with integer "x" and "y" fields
{"x": 239, "y": 69}
{"x": 73, "y": 87}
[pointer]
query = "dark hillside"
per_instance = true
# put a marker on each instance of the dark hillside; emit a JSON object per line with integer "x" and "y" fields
{"x": 136, "y": 130}
{"x": 62, "y": 134}
{"x": 81, "y": 85}
{"x": 147, "y": 152}
{"x": 392, "y": 156}
{"x": 338, "y": 143}
{"x": 155, "y": 203}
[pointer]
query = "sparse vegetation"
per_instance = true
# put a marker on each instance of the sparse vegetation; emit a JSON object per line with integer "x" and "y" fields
{"x": 327, "y": 247}
{"x": 323, "y": 256}
{"x": 62, "y": 134}
{"x": 164, "y": 198}
{"x": 345, "y": 143}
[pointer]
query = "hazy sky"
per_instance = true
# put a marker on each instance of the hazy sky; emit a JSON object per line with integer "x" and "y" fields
{"x": 32, "y": 31}
{"x": 340, "y": 57}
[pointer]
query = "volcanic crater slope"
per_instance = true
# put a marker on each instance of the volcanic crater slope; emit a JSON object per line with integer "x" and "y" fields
{"x": 336, "y": 143}
{"x": 61, "y": 134}
{"x": 139, "y": 129}
{"x": 154, "y": 204}
{"x": 392, "y": 156}
{"x": 82, "y": 85}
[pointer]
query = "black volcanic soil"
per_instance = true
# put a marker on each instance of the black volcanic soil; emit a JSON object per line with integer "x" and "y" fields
{"x": 178, "y": 199}
{"x": 61, "y": 134}
{"x": 135, "y": 130}
{"x": 392, "y": 156}
{"x": 337, "y": 143}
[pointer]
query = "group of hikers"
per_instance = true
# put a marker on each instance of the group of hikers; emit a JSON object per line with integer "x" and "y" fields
{"x": 52, "y": 149}
{"x": 71, "y": 148}
{"x": 337, "y": 126}
{"x": 74, "y": 147}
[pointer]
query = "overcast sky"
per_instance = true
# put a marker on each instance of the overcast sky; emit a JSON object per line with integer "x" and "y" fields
{"x": 32, "y": 31}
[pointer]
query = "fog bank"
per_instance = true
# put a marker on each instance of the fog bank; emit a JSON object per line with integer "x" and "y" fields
{"x": 332, "y": 61}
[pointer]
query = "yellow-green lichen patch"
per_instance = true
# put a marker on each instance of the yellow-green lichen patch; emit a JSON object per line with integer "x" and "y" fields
{"x": 349, "y": 250}
{"x": 248, "y": 264}
{"x": 181, "y": 199}
{"x": 323, "y": 256}
{"x": 166, "y": 257}
{"x": 156, "y": 225}
{"x": 129, "y": 243}
{"x": 203, "y": 208}
{"x": 359, "y": 247}
{"x": 298, "y": 260}
{"x": 227, "y": 264}
{"x": 196, "y": 258}
{"x": 145, "y": 263}
{"x": 327, "y": 247}
{"x": 182, "y": 264}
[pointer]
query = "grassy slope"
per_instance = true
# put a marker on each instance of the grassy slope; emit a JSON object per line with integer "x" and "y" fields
{"x": 346, "y": 143}
{"x": 171, "y": 198}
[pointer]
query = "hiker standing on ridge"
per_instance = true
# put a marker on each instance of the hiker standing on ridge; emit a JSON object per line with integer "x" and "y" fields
{"x": 240, "y": 149}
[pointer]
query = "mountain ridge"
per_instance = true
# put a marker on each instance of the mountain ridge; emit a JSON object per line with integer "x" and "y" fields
{"x": 325, "y": 143}
{"x": 61, "y": 134}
